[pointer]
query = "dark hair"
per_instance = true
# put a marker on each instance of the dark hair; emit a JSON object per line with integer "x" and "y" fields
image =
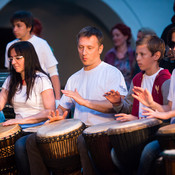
{"x": 31, "y": 65}
{"x": 37, "y": 27}
{"x": 88, "y": 31}
{"x": 124, "y": 29}
{"x": 154, "y": 44}
{"x": 23, "y": 16}
{"x": 170, "y": 43}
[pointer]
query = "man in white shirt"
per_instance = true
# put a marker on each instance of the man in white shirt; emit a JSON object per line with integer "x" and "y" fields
{"x": 85, "y": 90}
{"x": 22, "y": 22}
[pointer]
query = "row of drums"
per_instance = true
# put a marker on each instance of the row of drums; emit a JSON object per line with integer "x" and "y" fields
{"x": 58, "y": 143}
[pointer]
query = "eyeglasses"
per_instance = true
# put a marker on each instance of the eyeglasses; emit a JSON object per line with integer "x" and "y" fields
{"x": 15, "y": 57}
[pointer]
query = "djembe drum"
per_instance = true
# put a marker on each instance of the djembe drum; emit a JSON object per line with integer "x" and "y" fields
{"x": 58, "y": 144}
{"x": 99, "y": 147}
{"x": 129, "y": 138}
{"x": 30, "y": 130}
{"x": 166, "y": 138}
{"x": 8, "y": 136}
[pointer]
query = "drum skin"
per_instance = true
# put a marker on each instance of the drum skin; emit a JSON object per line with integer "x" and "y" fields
{"x": 166, "y": 137}
{"x": 8, "y": 136}
{"x": 129, "y": 138}
{"x": 99, "y": 146}
{"x": 58, "y": 144}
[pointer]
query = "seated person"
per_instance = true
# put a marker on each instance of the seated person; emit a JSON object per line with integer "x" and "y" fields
{"x": 152, "y": 150}
{"x": 149, "y": 50}
{"x": 84, "y": 90}
{"x": 29, "y": 88}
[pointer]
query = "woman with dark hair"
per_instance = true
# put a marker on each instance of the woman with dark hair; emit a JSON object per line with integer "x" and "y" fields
{"x": 31, "y": 94}
{"x": 122, "y": 55}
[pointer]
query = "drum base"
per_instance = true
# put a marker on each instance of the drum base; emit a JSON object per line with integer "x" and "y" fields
{"x": 74, "y": 173}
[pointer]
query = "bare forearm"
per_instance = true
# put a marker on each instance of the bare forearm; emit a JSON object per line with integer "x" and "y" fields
{"x": 39, "y": 117}
{"x": 57, "y": 86}
{"x": 160, "y": 108}
{"x": 102, "y": 106}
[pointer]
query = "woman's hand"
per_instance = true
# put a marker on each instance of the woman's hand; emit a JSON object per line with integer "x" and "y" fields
{"x": 12, "y": 122}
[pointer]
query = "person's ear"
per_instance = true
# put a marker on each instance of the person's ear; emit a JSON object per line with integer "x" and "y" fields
{"x": 101, "y": 48}
{"x": 157, "y": 55}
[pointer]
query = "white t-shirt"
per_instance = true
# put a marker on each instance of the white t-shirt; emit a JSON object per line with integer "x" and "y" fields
{"x": 147, "y": 83}
{"x": 171, "y": 95}
{"x": 34, "y": 104}
{"x": 92, "y": 85}
{"x": 45, "y": 55}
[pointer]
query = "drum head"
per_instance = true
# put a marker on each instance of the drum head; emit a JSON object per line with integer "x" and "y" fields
{"x": 103, "y": 127}
{"x": 169, "y": 129}
{"x": 135, "y": 125}
{"x": 59, "y": 128}
{"x": 6, "y": 131}
{"x": 32, "y": 129}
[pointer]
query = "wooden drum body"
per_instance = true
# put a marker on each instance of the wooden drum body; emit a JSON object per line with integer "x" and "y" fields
{"x": 99, "y": 146}
{"x": 129, "y": 138}
{"x": 8, "y": 136}
{"x": 58, "y": 145}
{"x": 166, "y": 137}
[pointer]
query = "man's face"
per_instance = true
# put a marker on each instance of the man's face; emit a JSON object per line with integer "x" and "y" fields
{"x": 21, "y": 31}
{"x": 145, "y": 59}
{"x": 89, "y": 51}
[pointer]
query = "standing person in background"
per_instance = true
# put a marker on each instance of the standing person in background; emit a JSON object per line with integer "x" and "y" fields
{"x": 37, "y": 27}
{"x": 22, "y": 22}
{"x": 145, "y": 31}
{"x": 122, "y": 55}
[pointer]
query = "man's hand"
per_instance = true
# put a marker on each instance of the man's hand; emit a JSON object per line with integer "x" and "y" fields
{"x": 75, "y": 95}
{"x": 113, "y": 96}
{"x": 54, "y": 116}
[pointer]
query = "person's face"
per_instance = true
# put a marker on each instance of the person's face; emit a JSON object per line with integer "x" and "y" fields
{"x": 17, "y": 62}
{"x": 173, "y": 37}
{"x": 21, "y": 31}
{"x": 118, "y": 38}
{"x": 89, "y": 51}
{"x": 145, "y": 59}
{"x": 139, "y": 35}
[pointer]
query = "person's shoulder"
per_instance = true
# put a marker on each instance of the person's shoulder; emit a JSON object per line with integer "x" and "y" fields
{"x": 108, "y": 66}
{"x": 76, "y": 74}
{"x": 36, "y": 39}
{"x": 164, "y": 73}
{"x": 11, "y": 42}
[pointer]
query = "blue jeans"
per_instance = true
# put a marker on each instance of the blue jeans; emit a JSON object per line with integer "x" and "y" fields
{"x": 2, "y": 117}
{"x": 148, "y": 157}
{"x": 21, "y": 156}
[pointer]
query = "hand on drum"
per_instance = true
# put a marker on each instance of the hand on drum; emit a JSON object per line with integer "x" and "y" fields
{"x": 75, "y": 95}
{"x": 155, "y": 114}
{"x": 125, "y": 117}
{"x": 12, "y": 122}
{"x": 113, "y": 96}
{"x": 54, "y": 116}
{"x": 143, "y": 96}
